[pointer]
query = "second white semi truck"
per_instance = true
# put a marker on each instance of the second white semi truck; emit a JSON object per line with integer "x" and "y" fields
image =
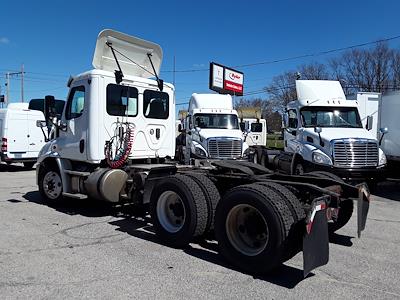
{"x": 324, "y": 132}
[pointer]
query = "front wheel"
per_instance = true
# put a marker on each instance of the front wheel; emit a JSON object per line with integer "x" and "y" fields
{"x": 50, "y": 184}
{"x": 298, "y": 169}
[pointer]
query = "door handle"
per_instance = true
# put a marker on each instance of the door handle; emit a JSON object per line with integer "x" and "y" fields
{"x": 31, "y": 144}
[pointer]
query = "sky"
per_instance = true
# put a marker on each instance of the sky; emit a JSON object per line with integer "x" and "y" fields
{"x": 56, "y": 39}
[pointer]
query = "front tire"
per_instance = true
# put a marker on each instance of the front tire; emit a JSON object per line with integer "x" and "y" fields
{"x": 50, "y": 184}
{"x": 298, "y": 169}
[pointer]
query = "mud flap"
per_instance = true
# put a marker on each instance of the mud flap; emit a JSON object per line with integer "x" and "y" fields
{"x": 362, "y": 207}
{"x": 316, "y": 238}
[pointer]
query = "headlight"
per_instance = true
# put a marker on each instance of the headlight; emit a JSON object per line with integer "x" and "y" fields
{"x": 200, "y": 152}
{"x": 382, "y": 158}
{"x": 320, "y": 158}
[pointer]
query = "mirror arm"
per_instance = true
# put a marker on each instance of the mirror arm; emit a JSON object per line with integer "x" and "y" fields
{"x": 380, "y": 140}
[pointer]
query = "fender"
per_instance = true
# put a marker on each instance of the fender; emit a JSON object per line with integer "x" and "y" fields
{"x": 63, "y": 164}
{"x": 303, "y": 152}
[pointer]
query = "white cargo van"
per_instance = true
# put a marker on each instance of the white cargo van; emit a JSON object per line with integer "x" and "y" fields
{"x": 21, "y": 139}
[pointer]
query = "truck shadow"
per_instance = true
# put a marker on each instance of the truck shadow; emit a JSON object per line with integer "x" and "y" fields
{"x": 284, "y": 276}
{"x": 389, "y": 190}
{"x": 139, "y": 226}
{"x": 13, "y": 168}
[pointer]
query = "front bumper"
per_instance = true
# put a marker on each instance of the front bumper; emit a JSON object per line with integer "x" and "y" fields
{"x": 351, "y": 174}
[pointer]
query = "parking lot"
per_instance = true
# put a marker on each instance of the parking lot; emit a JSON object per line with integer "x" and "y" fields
{"x": 85, "y": 249}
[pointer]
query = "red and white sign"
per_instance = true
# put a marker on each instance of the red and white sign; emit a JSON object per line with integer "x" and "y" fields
{"x": 226, "y": 81}
{"x": 233, "y": 81}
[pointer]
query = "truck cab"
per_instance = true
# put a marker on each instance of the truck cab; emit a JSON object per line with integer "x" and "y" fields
{"x": 324, "y": 131}
{"x": 212, "y": 128}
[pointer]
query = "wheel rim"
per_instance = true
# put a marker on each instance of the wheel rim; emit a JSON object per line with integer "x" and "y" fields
{"x": 171, "y": 211}
{"x": 52, "y": 185}
{"x": 247, "y": 229}
{"x": 299, "y": 170}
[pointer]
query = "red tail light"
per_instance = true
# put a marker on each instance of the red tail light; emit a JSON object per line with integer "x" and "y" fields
{"x": 3, "y": 144}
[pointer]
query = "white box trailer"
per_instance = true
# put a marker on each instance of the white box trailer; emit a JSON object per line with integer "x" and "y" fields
{"x": 21, "y": 139}
{"x": 383, "y": 113}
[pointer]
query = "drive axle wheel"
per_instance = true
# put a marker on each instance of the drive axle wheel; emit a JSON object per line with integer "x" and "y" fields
{"x": 252, "y": 225}
{"x": 50, "y": 183}
{"x": 179, "y": 210}
{"x": 247, "y": 229}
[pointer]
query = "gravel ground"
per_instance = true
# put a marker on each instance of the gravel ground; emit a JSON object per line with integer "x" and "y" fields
{"x": 85, "y": 249}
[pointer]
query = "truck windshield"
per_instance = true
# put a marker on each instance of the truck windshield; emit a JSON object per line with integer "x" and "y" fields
{"x": 346, "y": 117}
{"x": 216, "y": 121}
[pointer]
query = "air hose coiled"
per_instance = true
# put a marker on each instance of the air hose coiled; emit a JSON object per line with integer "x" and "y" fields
{"x": 123, "y": 142}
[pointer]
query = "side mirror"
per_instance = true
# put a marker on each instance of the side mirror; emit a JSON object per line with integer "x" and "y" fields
{"x": 384, "y": 130}
{"x": 370, "y": 120}
{"x": 317, "y": 130}
{"x": 41, "y": 124}
{"x": 285, "y": 121}
{"x": 49, "y": 107}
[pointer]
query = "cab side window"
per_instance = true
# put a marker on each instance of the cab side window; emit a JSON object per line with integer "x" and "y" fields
{"x": 155, "y": 104}
{"x": 76, "y": 103}
{"x": 292, "y": 118}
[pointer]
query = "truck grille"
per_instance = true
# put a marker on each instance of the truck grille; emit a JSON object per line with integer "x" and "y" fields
{"x": 355, "y": 153}
{"x": 225, "y": 148}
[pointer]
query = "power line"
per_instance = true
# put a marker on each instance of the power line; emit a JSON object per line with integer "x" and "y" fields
{"x": 295, "y": 57}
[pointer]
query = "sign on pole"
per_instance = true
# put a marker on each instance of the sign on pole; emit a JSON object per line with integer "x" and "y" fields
{"x": 225, "y": 80}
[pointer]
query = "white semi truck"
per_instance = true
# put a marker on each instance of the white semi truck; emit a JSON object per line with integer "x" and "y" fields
{"x": 323, "y": 131}
{"x": 113, "y": 143}
{"x": 212, "y": 128}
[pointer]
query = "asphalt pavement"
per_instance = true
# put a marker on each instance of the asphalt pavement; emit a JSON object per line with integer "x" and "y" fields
{"x": 86, "y": 249}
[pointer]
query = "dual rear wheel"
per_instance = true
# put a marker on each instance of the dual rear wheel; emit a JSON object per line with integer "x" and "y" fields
{"x": 254, "y": 223}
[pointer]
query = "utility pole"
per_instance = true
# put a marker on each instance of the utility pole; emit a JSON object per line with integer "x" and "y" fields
{"x": 22, "y": 72}
{"x": 8, "y": 88}
{"x": 22, "y": 83}
{"x": 173, "y": 80}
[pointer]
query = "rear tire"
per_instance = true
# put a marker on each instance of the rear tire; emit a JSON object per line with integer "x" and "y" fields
{"x": 211, "y": 195}
{"x": 252, "y": 226}
{"x": 179, "y": 210}
{"x": 296, "y": 231}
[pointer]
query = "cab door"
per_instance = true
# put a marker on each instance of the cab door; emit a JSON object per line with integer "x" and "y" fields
{"x": 73, "y": 138}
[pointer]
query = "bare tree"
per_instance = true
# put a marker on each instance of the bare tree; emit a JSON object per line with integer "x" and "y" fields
{"x": 369, "y": 70}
